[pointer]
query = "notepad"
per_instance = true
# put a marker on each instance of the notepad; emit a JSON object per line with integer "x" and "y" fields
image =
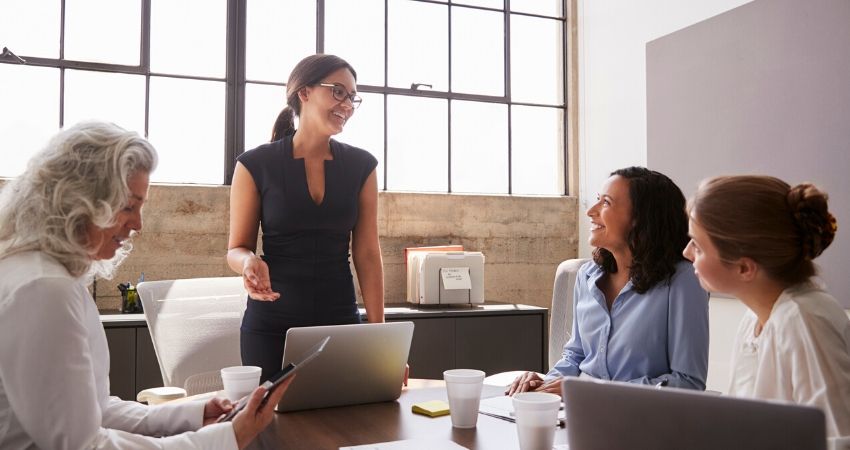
{"x": 433, "y": 408}
{"x": 502, "y": 407}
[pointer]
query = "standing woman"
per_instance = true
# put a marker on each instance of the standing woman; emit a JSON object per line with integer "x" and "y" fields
{"x": 313, "y": 196}
{"x": 755, "y": 237}
{"x": 70, "y": 216}
{"x": 639, "y": 313}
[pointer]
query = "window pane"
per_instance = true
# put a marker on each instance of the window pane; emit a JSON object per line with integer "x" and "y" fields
{"x": 478, "y": 52}
{"x": 418, "y": 44}
{"x": 262, "y": 105}
{"x": 186, "y": 126}
{"x": 19, "y": 19}
{"x": 552, "y": 8}
{"x": 496, "y": 4}
{"x": 188, "y": 37}
{"x": 113, "y": 97}
{"x": 364, "y": 48}
{"x": 537, "y": 153}
{"x": 280, "y": 33}
{"x": 29, "y": 113}
{"x": 537, "y": 76}
{"x": 365, "y": 129}
{"x": 479, "y": 147}
{"x": 105, "y": 31}
{"x": 417, "y": 155}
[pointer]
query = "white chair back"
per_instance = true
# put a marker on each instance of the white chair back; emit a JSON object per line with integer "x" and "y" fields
{"x": 561, "y": 320}
{"x": 194, "y": 325}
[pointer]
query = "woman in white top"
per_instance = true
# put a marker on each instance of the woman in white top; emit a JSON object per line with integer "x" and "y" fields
{"x": 755, "y": 237}
{"x": 67, "y": 218}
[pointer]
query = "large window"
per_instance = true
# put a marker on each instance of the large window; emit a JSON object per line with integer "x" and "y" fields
{"x": 458, "y": 96}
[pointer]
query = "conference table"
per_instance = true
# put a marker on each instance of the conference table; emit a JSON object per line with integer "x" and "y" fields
{"x": 331, "y": 428}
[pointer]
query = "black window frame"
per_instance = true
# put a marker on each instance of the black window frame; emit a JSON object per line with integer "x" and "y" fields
{"x": 235, "y": 78}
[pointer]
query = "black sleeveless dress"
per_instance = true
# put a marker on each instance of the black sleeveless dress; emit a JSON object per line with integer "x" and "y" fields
{"x": 304, "y": 244}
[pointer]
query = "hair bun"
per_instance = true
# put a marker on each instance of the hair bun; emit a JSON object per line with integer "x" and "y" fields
{"x": 811, "y": 214}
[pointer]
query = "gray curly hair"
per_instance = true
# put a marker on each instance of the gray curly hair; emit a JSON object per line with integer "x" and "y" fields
{"x": 79, "y": 178}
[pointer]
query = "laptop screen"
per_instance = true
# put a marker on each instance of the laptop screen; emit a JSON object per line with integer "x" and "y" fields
{"x": 364, "y": 362}
{"x": 610, "y": 415}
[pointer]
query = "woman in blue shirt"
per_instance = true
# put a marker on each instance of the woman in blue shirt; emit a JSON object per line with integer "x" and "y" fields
{"x": 640, "y": 314}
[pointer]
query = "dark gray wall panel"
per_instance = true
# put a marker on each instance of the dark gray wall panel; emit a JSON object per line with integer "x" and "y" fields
{"x": 762, "y": 88}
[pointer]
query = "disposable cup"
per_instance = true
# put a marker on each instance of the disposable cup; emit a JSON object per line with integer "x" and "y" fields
{"x": 536, "y": 414}
{"x": 240, "y": 381}
{"x": 463, "y": 388}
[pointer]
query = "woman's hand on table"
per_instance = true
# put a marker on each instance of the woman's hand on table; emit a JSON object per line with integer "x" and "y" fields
{"x": 528, "y": 381}
{"x": 552, "y": 386}
{"x": 406, "y": 374}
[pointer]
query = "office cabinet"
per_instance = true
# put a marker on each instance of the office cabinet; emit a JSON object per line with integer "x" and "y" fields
{"x": 432, "y": 348}
{"x": 500, "y": 343}
{"x": 492, "y": 337}
{"x": 122, "y": 362}
{"x": 487, "y": 338}
{"x": 147, "y": 367}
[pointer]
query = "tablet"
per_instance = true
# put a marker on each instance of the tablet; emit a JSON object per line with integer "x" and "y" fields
{"x": 278, "y": 378}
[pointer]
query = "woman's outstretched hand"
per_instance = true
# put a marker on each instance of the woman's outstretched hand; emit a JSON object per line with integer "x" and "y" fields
{"x": 255, "y": 276}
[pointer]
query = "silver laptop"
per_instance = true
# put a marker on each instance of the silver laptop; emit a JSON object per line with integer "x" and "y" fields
{"x": 611, "y": 416}
{"x": 361, "y": 364}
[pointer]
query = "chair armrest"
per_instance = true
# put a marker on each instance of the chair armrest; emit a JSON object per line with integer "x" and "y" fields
{"x": 157, "y": 395}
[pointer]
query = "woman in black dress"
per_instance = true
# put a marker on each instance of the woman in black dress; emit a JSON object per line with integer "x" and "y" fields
{"x": 312, "y": 196}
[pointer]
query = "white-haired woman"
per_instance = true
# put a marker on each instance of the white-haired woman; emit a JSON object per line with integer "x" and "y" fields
{"x": 68, "y": 217}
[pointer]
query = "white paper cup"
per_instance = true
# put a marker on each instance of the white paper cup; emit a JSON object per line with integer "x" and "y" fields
{"x": 463, "y": 388}
{"x": 536, "y": 415}
{"x": 240, "y": 381}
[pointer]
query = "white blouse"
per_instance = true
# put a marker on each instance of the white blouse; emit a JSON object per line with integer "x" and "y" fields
{"x": 54, "y": 373}
{"x": 802, "y": 356}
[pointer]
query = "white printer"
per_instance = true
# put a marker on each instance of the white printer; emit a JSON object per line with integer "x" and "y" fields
{"x": 441, "y": 278}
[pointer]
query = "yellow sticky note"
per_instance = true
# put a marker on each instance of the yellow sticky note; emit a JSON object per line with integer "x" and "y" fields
{"x": 433, "y": 408}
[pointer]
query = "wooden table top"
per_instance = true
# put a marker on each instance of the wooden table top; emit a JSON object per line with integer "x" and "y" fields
{"x": 331, "y": 428}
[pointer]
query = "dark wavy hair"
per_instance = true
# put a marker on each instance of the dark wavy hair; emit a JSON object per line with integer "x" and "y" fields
{"x": 308, "y": 72}
{"x": 659, "y": 229}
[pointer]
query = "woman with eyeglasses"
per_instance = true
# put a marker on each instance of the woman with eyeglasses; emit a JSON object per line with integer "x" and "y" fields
{"x": 756, "y": 238}
{"x": 314, "y": 197}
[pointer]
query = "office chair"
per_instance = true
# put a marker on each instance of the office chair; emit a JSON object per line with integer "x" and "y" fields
{"x": 194, "y": 325}
{"x": 560, "y": 319}
{"x": 561, "y": 314}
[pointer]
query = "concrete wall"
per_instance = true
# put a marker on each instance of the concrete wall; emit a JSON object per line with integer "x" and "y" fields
{"x": 522, "y": 238}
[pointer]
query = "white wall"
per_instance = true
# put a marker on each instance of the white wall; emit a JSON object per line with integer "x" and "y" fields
{"x": 612, "y": 36}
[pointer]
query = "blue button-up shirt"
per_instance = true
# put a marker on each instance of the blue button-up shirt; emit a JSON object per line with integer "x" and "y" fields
{"x": 646, "y": 338}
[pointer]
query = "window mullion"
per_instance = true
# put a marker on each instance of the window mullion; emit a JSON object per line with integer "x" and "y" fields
{"x": 449, "y": 104}
{"x": 320, "y": 26}
{"x": 507, "y": 46}
{"x": 61, "y": 69}
{"x": 234, "y": 116}
{"x": 145, "y": 58}
{"x": 386, "y": 85}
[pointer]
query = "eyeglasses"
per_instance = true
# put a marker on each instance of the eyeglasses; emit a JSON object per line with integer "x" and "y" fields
{"x": 341, "y": 94}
